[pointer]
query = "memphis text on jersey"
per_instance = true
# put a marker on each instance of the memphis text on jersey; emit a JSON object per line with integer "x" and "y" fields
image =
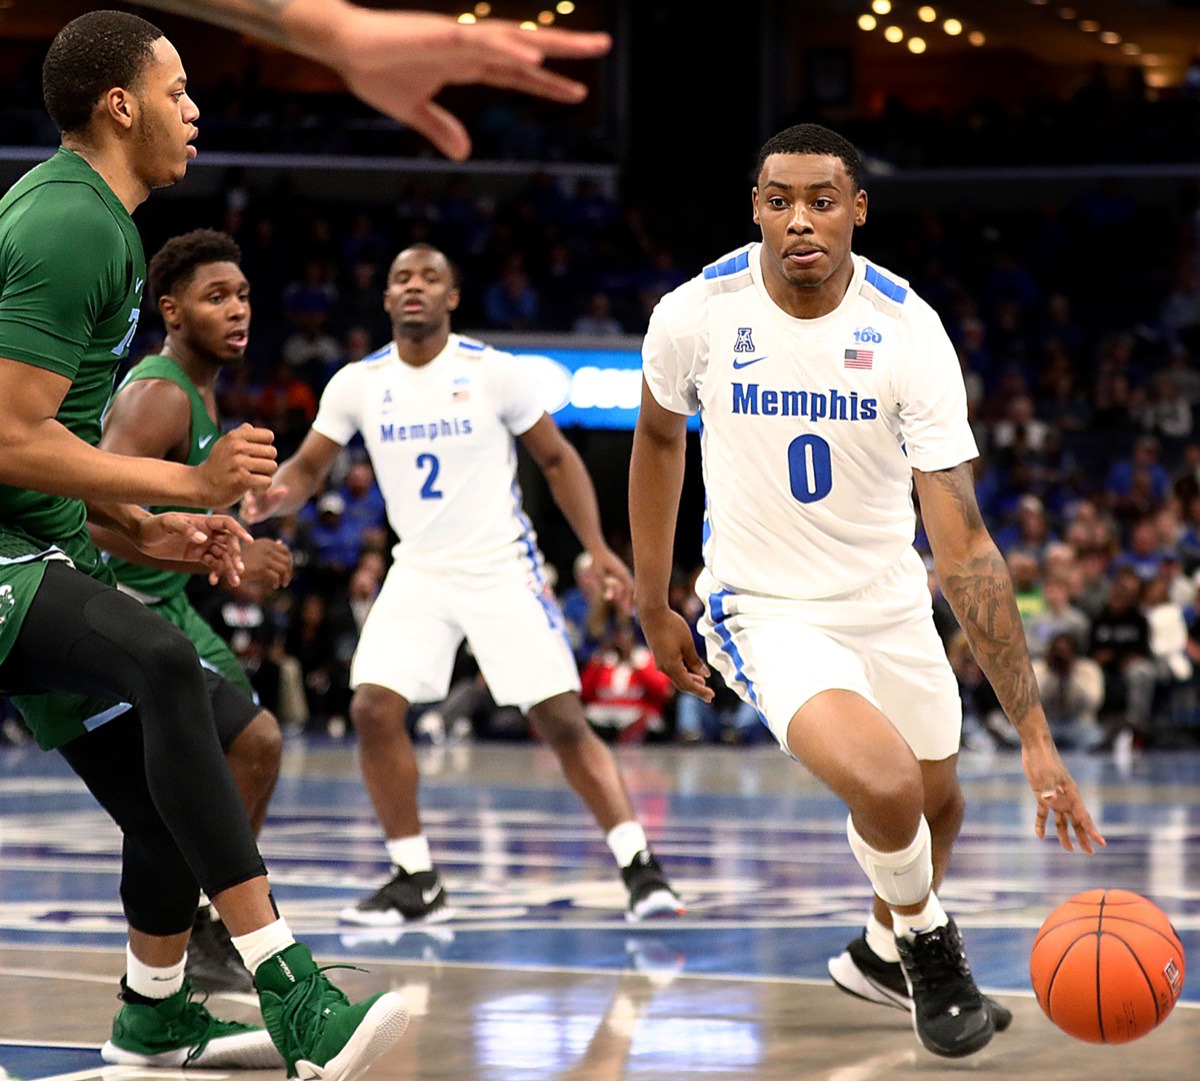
{"x": 812, "y": 405}
{"x": 413, "y": 433}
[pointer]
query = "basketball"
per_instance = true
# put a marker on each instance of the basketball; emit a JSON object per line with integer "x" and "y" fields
{"x": 1107, "y": 966}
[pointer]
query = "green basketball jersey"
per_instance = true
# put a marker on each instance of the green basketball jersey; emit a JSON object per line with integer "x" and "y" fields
{"x": 71, "y": 277}
{"x": 204, "y": 433}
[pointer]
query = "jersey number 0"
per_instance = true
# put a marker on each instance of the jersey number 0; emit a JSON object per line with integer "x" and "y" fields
{"x": 810, "y": 469}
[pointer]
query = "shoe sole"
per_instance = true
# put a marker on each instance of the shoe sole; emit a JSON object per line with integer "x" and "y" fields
{"x": 383, "y": 1024}
{"x": 662, "y": 904}
{"x": 248, "y": 1051}
{"x": 851, "y": 979}
{"x": 352, "y": 917}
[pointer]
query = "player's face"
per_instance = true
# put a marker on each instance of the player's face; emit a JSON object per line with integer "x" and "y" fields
{"x": 211, "y": 313}
{"x": 420, "y": 293}
{"x": 807, "y": 208}
{"x": 166, "y": 119}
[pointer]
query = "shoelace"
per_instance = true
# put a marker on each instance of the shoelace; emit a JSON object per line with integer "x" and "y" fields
{"x": 196, "y": 1022}
{"x": 935, "y": 959}
{"x": 305, "y": 1005}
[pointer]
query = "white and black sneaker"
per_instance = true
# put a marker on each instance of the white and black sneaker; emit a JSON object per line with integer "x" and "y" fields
{"x": 949, "y": 1014}
{"x": 860, "y": 971}
{"x": 650, "y": 894}
{"x": 404, "y": 898}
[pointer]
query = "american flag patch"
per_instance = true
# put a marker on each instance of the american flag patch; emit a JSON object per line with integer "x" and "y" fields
{"x": 859, "y": 358}
{"x": 460, "y": 396}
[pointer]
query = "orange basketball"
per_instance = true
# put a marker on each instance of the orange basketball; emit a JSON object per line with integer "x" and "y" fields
{"x": 1107, "y": 966}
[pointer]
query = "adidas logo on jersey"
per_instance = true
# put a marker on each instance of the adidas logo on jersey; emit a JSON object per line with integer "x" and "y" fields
{"x": 813, "y": 405}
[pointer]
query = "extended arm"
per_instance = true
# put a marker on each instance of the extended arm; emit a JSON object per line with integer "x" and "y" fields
{"x": 975, "y": 581}
{"x": 573, "y": 491}
{"x": 655, "y": 485}
{"x": 296, "y": 482}
{"x": 399, "y": 61}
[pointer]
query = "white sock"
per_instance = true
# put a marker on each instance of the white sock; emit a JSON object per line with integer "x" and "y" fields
{"x": 882, "y": 940}
{"x": 266, "y": 942}
{"x": 410, "y": 854}
{"x": 149, "y": 981}
{"x": 626, "y": 841}
{"x": 931, "y": 916}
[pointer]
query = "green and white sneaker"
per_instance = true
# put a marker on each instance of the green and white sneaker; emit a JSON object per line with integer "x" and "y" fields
{"x": 179, "y": 1031}
{"x": 323, "y": 1037}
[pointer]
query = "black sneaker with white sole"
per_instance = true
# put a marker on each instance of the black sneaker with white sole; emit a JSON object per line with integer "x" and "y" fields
{"x": 213, "y": 962}
{"x": 949, "y": 1014}
{"x": 860, "y": 971}
{"x": 405, "y": 898}
{"x": 650, "y": 894}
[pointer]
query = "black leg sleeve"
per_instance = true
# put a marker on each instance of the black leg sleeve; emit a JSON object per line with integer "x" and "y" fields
{"x": 85, "y": 637}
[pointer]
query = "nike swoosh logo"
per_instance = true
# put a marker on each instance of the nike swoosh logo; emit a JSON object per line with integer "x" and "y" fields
{"x": 429, "y": 896}
{"x": 205, "y": 441}
{"x": 738, "y": 364}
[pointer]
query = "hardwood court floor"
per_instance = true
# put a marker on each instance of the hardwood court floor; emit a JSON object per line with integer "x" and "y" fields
{"x": 539, "y": 976}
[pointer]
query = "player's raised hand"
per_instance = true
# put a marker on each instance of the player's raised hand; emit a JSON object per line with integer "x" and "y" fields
{"x": 212, "y": 539}
{"x": 1057, "y": 794}
{"x": 616, "y": 579}
{"x": 267, "y": 561}
{"x": 670, "y": 640}
{"x": 240, "y": 461}
{"x": 259, "y": 506}
{"x": 399, "y": 61}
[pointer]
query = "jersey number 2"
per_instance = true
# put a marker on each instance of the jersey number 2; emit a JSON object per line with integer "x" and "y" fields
{"x": 428, "y": 489}
{"x": 810, "y": 469}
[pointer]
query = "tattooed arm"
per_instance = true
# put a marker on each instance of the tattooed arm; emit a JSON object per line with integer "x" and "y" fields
{"x": 398, "y": 61}
{"x": 976, "y": 583}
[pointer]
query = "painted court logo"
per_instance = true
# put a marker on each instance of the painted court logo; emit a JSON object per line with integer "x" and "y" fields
{"x": 745, "y": 341}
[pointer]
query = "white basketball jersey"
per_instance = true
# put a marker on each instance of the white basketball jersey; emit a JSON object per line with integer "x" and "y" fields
{"x": 810, "y": 427}
{"x": 441, "y": 440}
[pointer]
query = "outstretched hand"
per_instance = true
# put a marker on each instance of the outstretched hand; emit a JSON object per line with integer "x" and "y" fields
{"x": 398, "y": 61}
{"x": 215, "y": 540}
{"x": 259, "y": 506}
{"x": 1057, "y": 794}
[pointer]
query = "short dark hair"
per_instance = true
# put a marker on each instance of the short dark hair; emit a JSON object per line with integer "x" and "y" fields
{"x": 88, "y": 57}
{"x": 812, "y": 139}
{"x": 433, "y": 249}
{"x": 175, "y": 263}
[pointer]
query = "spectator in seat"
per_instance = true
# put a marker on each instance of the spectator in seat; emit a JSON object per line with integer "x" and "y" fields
{"x": 623, "y": 692}
{"x": 1059, "y": 617}
{"x": 1120, "y": 644}
{"x": 1072, "y": 690}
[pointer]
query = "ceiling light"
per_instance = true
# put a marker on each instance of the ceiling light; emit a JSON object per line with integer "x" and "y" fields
{"x": 1066, "y": 13}
{"x": 894, "y": 34}
{"x": 927, "y": 14}
{"x": 466, "y": 17}
{"x": 975, "y": 37}
{"x": 483, "y": 9}
{"x": 1089, "y": 26}
{"x": 867, "y": 22}
{"x": 564, "y": 7}
{"x": 952, "y": 27}
{"x": 881, "y": 7}
{"x": 1110, "y": 37}
{"x": 528, "y": 25}
{"x": 916, "y": 45}
{"x": 1131, "y": 48}
{"x": 545, "y": 17}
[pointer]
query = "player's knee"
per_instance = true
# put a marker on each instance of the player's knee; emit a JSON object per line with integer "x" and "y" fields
{"x": 893, "y": 804}
{"x": 560, "y": 723}
{"x": 377, "y": 714}
{"x": 171, "y": 665}
{"x": 258, "y": 749}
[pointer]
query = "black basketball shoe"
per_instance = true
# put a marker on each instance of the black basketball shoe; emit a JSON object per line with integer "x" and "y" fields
{"x": 405, "y": 898}
{"x": 213, "y": 963}
{"x": 949, "y": 1014}
{"x": 860, "y": 971}
{"x": 650, "y": 894}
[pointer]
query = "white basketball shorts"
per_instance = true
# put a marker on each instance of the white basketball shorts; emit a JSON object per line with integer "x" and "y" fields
{"x": 508, "y": 615}
{"x": 878, "y": 641}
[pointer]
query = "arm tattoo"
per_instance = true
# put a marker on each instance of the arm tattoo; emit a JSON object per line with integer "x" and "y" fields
{"x": 262, "y": 18}
{"x": 980, "y": 591}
